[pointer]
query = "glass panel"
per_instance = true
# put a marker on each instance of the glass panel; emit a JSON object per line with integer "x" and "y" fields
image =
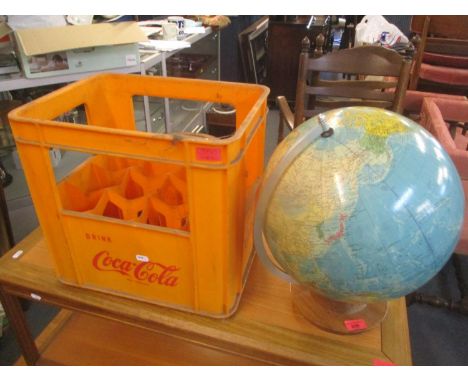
{"x": 155, "y": 106}
{"x": 187, "y": 116}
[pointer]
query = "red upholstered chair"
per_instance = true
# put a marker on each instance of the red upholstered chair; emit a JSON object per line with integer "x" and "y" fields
{"x": 436, "y": 115}
{"x": 441, "y": 62}
{"x": 413, "y": 101}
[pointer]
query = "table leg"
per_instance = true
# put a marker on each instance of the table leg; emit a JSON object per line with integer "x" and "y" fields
{"x": 18, "y": 322}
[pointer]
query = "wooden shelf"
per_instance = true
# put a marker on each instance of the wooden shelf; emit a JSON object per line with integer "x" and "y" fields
{"x": 100, "y": 342}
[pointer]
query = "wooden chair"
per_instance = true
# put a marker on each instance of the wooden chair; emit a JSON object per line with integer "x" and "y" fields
{"x": 441, "y": 62}
{"x": 315, "y": 94}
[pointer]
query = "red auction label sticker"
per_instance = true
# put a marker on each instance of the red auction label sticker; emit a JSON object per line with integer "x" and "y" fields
{"x": 381, "y": 362}
{"x": 211, "y": 154}
{"x": 355, "y": 325}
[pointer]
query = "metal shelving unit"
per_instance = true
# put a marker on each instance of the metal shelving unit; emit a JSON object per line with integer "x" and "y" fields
{"x": 148, "y": 59}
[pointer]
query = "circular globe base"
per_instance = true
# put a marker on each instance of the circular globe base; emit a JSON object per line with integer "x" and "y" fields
{"x": 337, "y": 316}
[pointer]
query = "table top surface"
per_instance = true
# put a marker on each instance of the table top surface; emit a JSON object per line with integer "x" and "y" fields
{"x": 265, "y": 326}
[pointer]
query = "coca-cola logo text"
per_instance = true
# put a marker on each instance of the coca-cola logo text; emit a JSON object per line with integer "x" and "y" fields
{"x": 148, "y": 272}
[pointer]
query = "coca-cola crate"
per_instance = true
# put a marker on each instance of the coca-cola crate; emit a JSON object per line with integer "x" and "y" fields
{"x": 165, "y": 218}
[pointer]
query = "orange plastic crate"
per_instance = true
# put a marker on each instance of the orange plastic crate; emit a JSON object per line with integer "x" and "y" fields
{"x": 166, "y": 218}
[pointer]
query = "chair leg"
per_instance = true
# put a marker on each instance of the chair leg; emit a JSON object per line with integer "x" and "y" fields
{"x": 280, "y": 129}
{"x": 436, "y": 301}
{"x": 462, "y": 283}
{"x": 453, "y": 129}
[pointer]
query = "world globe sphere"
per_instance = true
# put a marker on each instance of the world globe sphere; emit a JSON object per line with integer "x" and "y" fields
{"x": 361, "y": 204}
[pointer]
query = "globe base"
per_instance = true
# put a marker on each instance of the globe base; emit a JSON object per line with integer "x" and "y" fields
{"x": 337, "y": 316}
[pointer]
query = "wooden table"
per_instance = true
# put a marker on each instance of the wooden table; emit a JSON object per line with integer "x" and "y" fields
{"x": 98, "y": 329}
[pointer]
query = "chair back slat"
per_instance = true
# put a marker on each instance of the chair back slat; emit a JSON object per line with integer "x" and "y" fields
{"x": 346, "y": 92}
{"x": 447, "y": 46}
{"x": 364, "y": 84}
{"x": 364, "y": 60}
{"x": 336, "y": 104}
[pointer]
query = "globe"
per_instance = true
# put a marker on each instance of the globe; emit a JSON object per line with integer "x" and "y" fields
{"x": 361, "y": 204}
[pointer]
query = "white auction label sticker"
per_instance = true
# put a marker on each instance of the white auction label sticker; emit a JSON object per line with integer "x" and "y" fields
{"x": 17, "y": 254}
{"x": 130, "y": 60}
{"x": 142, "y": 258}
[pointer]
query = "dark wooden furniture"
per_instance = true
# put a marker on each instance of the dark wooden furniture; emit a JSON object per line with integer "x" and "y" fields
{"x": 253, "y": 50}
{"x": 315, "y": 94}
{"x": 284, "y": 48}
{"x": 441, "y": 61}
{"x": 349, "y": 32}
{"x": 119, "y": 331}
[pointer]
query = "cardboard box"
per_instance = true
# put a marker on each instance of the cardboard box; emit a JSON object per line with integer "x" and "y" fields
{"x": 45, "y": 52}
